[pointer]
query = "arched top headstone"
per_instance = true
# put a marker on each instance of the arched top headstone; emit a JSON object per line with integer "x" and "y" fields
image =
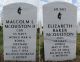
{"x": 60, "y": 26}
{"x": 58, "y": 3}
{"x": 33, "y": 2}
{"x": 65, "y": 8}
{"x": 19, "y": 32}
{"x": 18, "y": 3}
{"x": 14, "y": 6}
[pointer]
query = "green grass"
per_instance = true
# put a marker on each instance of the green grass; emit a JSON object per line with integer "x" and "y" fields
{"x": 1, "y": 41}
{"x": 42, "y": 47}
{"x": 78, "y": 44}
{"x": 1, "y": 38}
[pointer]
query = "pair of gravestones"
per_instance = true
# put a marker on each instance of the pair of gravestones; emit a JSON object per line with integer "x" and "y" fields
{"x": 19, "y": 31}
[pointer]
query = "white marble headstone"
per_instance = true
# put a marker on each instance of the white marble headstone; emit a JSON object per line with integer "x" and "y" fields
{"x": 59, "y": 22}
{"x": 19, "y": 32}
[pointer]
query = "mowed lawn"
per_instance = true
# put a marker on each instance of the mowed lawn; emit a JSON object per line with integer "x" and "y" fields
{"x": 1, "y": 41}
{"x": 78, "y": 44}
